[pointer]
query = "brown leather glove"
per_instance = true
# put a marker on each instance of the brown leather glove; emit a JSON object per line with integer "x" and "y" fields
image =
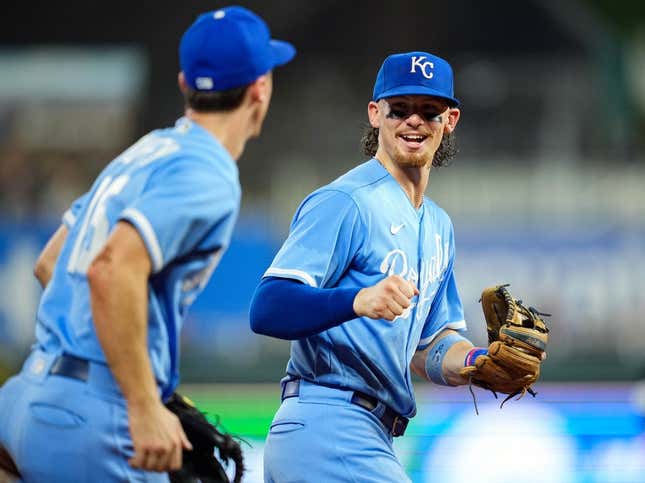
{"x": 517, "y": 338}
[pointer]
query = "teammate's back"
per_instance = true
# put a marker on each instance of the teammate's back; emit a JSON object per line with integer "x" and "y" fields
{"x": 126, "y": 264}
{"x": 135, "y": 187}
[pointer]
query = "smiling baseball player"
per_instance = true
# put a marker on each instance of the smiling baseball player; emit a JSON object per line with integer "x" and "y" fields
{"x": 364, "y": 287}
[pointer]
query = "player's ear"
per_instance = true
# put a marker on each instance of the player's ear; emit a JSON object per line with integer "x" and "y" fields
{"x": 181, "y": 81}
{"x": 260, "y": 89}
{"x": 373, "y": 110}
{"x": 453, "y": 119}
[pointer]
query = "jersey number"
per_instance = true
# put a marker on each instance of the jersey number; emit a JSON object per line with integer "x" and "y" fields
{"x": 95, "y": 229}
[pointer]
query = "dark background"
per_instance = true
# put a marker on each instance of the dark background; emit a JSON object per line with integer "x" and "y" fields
{"x": 546, "y": 191}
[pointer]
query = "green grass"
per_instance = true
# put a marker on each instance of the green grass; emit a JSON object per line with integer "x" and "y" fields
{"x": 245, "y": 410}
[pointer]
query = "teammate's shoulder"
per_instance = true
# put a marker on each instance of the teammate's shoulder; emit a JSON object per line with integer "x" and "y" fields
{"x": 364, "y": 175}
{"x": 192, "y": 136}
{"x": 194, "y": 145}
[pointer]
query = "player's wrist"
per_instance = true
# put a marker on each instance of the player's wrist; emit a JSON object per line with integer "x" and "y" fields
{"x": 357, "y": 304}
{"x": 444, "y": 357}
{"x": 142, "y": 401}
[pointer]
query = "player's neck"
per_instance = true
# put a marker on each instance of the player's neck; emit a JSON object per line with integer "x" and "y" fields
{"x": 227, "y": 127}
{"x": 413, "y": 180}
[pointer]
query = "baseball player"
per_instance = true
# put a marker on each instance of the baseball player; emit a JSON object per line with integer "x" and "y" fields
{"x": 364, "y": 287}
{"x": 129, "y": 259}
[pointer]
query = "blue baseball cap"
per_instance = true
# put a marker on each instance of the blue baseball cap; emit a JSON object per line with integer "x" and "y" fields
{"x": 415, "y": 73}
{"x": 229, "y": 48}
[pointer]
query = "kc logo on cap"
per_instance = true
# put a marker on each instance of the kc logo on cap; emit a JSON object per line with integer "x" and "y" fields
{"x": 418, "y": 62}
{"x": 415, "y": 74}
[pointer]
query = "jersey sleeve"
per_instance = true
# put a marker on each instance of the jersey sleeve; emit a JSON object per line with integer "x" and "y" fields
{"x": 447, "y": 311}
{"x": 185, "y": 207}
{"x": 325, "y": 235}
{"x": 70, "y": 216}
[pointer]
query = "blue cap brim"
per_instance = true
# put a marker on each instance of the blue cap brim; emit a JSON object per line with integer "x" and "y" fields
{"x": 416, "y": 91}
{"x": 283, "y": 52}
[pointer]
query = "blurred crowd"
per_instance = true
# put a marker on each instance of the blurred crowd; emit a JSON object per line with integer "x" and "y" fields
{"x": 551, "y": 146}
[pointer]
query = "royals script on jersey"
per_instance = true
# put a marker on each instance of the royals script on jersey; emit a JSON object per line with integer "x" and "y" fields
{"x": 353, "y": 233}
{"x": 180, "y": 189}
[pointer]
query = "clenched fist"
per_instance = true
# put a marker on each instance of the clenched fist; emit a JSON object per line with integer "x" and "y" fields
{"x": 386, "y": 300}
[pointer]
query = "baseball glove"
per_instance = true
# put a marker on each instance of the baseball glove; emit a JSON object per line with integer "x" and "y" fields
{"x": 200, "y": 464}
{"x": 517, "y": 338}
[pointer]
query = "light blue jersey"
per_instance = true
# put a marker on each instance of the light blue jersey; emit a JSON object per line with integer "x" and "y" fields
{"x": 179, "y": 188}
{"x": 354, "y": 232}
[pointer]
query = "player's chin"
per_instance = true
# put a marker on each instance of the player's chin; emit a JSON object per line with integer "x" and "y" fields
{"x": 413, "y": 160}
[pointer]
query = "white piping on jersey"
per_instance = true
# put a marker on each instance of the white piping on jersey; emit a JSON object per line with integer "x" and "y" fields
{"x": 69, "y": 219}
{"x": 304, "y": 276}
{"x": 459, "y": 324}
{"x": 148, "y": 234}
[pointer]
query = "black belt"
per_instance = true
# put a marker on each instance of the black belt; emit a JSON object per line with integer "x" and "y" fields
{"x": 71, "y": 366}
{"x": 394, "y": 423}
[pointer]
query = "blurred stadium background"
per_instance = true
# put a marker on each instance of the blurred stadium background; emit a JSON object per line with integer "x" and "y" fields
{"x": 547, "y": 193}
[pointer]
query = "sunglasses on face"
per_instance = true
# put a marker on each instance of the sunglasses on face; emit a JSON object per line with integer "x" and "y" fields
{"x": 401, "y": 112}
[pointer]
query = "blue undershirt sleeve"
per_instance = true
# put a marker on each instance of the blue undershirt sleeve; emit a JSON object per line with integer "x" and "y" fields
{"x": 288, "y": 309}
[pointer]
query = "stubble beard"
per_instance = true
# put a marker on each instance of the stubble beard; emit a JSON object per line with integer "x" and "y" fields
{"x": 412, "y": 160}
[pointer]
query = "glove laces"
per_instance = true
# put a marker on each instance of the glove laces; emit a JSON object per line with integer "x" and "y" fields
{"x": 521, "y": 393}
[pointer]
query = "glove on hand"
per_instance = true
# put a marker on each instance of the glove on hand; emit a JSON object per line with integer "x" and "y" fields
{"x": 200, "y": 464}
{"x": 517, "y": 338}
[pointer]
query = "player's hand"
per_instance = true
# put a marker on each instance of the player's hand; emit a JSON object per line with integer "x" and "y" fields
{"x": 386, "y": 300}
{"x": 158, "y": 437}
